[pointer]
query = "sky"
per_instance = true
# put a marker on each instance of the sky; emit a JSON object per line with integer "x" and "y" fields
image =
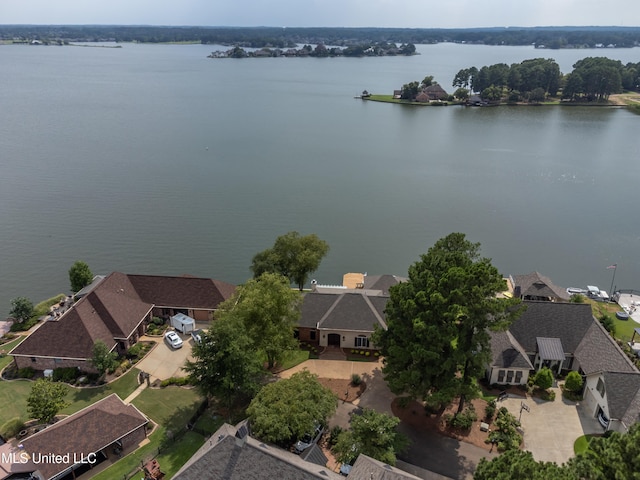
{"x": 325, "y": 13}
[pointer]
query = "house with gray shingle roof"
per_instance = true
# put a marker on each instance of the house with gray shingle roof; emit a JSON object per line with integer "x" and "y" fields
{"x": 564, "y": 337}
{"x": 535, "y": 286}
{"x": 345, "y": 320}
{"x": 116, "y": 311}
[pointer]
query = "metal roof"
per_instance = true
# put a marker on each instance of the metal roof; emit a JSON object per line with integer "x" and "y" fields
{"x": 550, "y": 348}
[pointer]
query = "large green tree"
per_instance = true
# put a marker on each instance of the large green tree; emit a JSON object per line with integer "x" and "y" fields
{"x": 269, "y": 310}
{"x": 373, "y": 434}
{"x": 224, "y": 365}
{"x": 21, "y": 309}
{"x": 285, "y": 410}
{"x": 46, "y": 399}
{"x": 293, "y": 256}
{"x": 520, "y": 464}
{"x": 79, "y": 276}
{"x": 437, "y": 342}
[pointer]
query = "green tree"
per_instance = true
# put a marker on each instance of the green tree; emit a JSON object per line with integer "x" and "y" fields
{"x": 409, "y": 90}
{"x": 573, "y": 382}
{"x": 373, "y": 434}
{"x": 520, "y": 464}
{"x": 492, "y": 93}
{"x": 427, "y": 81}
{"x": 614, "y": 457}
{"x": 21, "y": 309}
{"x": 102, "y": 358}
{"x": 293, "y": 256}
{"x": 79, "y": 276}
{"x": 544, "y": 379}
{"x": 285, "y": 410}
{"x": 537, "y": 95}
{"x": 46, "y": 399}
{"x": 461, "y": 94}
{"x": 225, "y": 366}
{"x": 269, "y": 311}
{"x": 462, "y": 79}
{"x": 437, "y": 341}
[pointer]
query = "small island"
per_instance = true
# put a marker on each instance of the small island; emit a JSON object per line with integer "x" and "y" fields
{"x": 380, "y": 49}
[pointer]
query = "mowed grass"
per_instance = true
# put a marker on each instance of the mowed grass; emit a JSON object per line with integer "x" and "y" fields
{"x": 624, "y": 328}
{"x": 14, "y": 394}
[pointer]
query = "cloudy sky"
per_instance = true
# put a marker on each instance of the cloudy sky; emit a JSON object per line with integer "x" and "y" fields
{"x": 324, "y": 13}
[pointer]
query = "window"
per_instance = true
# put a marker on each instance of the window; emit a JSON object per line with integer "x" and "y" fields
{"x": 600, "y": 387}
{"x": 312, "y": 335}
{"x": 509, "y": 376}
{"x": 33, "y": 359}
{"x": 519, "y": 376}
{"x": 362, "y": 341}
{"x": 500, "y": 376}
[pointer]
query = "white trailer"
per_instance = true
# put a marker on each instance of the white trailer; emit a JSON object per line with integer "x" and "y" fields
{"x": 183, "y": 323}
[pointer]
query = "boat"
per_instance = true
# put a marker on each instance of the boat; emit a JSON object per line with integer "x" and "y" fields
{"x": 621, "y": 315}
{"x": 576, "y": 291}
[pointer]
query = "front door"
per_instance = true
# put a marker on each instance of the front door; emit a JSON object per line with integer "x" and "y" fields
{"x": 334, "y": 339}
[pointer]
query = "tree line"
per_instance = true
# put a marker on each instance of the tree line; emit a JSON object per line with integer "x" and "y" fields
{"x": 277, "y": 37}
{"x": 592, "y": 79}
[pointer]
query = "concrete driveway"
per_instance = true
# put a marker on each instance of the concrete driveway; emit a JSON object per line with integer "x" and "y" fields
{"x": 164, "y": 362}
{"x": 551, "y": 428}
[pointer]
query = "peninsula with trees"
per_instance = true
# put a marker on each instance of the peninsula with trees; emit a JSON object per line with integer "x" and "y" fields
{"x": 593, "y": 81}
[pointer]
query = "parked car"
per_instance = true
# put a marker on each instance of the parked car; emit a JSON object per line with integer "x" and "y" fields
{"x": 309, "y": 439}
{"x": 173, "y": 339}
{"x": 196, "y": 335}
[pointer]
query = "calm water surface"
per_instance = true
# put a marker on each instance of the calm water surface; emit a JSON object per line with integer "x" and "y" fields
{"x": 155, "y": 159}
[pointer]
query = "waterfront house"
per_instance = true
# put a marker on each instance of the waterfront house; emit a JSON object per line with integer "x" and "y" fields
{"x": 116, "y": 311}
{"x": 565, "y": 337}
{"x": 534, "y": 286}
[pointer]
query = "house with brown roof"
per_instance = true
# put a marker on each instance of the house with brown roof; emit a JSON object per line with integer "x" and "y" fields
{"x": 435, "y": 92}
{"x": 116, "y": 311}
{"x": 565, "y": 337}
{"x": 77, "y": 443}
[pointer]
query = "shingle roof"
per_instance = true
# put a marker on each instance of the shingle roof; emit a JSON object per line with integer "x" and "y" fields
{"x": 537, "y": 285}
{"x": 346, "y": 311}
{"x": 114, "y": 308}
{"x": 366, "y": 468}
{"x": 185, "y": 291}
{"x": 567, "y": 321}
{"x": 623, "y": 395}
{"x": 225, "y": 457}
{"x": 598, "y": 352}
{"x": 382, "y": 282}
{"x": 87, "y": 431}
{"x": 507, "y": 352}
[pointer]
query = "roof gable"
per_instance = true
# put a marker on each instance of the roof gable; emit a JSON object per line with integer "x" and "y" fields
{"x": 623, "y": 396}
{"x": 598, "y": 352}
{"x": 536, "y": 285}
{"x": 507, "y": 352}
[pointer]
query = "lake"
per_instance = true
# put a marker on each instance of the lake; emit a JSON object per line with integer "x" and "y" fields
{"x": 154, "y": 159}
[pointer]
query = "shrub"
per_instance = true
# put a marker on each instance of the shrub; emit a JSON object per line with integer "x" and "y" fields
{"x": 505, "y": 435}
{"x": 65, "y": 374}
{"x": 361, "y": 352}
{"x": 377, "y": 354}
{"x": 26, "y": 372}
{"x": 577, "y": 298}
{"x": 179, "y": 381}
{"x": 548, "y": 395}
{"x": 157, "y": 321}
{"x": 367, "y": 354}
{"x": 463, "y": 420}
{"x": 608, "y": 324}
{"x": 12, "y": 428}
{"x": 356, "y": 379}
{"x": 490, "y": 411}
{"x": 544, "y": 378}
{"x": 573, "y": 383}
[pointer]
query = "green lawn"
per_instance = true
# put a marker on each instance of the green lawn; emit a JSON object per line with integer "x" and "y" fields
{"x": 171, "y": 407}
{"x": 13, "y": 398}
{"x": 7, "y": 347}
{"x": 624, "y": 328}
{"x": 581, "y": 444}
